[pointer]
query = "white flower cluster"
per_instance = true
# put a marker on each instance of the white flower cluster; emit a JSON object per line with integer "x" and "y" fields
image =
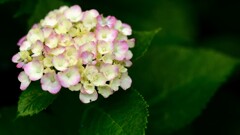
{"x": 81, "y": 51}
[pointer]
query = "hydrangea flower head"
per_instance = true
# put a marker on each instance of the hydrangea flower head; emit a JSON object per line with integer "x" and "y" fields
{"x": 78, "y": 50}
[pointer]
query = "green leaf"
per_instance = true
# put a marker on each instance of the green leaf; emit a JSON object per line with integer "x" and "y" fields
{"x": 42, "y": 8}
{"x": 178, "y": 82}
{"x": 124, "y": 113}
{"x": 34, "y": 100}
{"x": 143, "y": 41}
{"x": 41, "y": 124}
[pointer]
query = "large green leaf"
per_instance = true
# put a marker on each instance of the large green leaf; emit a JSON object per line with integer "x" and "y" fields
{"x": 34, "y": 100}
{"x": 143, "y": 41}
{"x": 124, "y": 113}
{"x": 178, "y": 83}
{"x": 41, "y": 124}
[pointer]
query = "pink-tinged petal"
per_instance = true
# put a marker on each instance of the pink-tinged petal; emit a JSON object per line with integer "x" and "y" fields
{"x": 89, "y": 47}
{"x": 109, "y": 71}
{"x": 25, "y": 81}
{"x": 35, "y": 34}
{"x": 109, "y": 21}
{"x": 37, "y": 48}
{"x": 60, "y": 62}
{"x": 16, "y": 58}
{"x": 69, "y": 77}
{"x": 87, "y": 98}
{"x": 49, "y": 82}
{"x": 120, "y": 50}
{"x": 63, "y": 26}
{"x": 128, "y": 63}
{"x": 57, "y": 51}
{"x": 129, "y": 55}
{"x": 34, "y": 70}
{"x": 65, "y": 40}
{"x": 52, "y": 40}
{"x": 105, "y": 91}
{"x": 20, "y": 64}
{"x": 50, "y": 20}
{"x": 126, "y": 29}
{"x": 62, "y": 9}
{"x": 114, "y": 84}
{"x": 126, "y": 81}
{"x": 26, "y": 45}
{"x": 76, "y": 87}
{"x": 87, "y": 57}
{"x": 47, "y": 32}
{"x": 101, "y": 21}
{"x": 86, "y": 38}
{"x": 104, "y": 47}
{"x": 22, "y": 40}
{"x": 74, "y": 13}
{"x": 107, "y": 34}
{"x": 90, "y": 19}
{"x": 131, "y": 43}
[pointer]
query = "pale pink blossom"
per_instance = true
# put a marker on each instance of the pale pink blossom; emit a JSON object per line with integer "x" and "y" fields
{"x": 79, "y": 50}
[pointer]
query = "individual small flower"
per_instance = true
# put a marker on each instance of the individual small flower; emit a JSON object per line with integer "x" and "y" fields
{"x": 60, "y": 62}
{"x": 104, "y": 47}
{"x": 87, "y": 98}
{"x": 78, "y": 50}
{"x": 69, "y": 77}
{"x": 74, "y": 13}
{"x": 120, "y": 50}
{"x": 109, "y": 71}
{"x": 50, "y": 82}
{"x": 106, "y": 34}
{"x": 34, "y": 70}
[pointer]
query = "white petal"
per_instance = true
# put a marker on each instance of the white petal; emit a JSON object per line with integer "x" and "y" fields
{"x": 60, "y": 63}
{"x": 114, "y": 84}
{"x": 87, "y": 98}
{"x": 74, "y": 13}
{"x": 126, "y": 81}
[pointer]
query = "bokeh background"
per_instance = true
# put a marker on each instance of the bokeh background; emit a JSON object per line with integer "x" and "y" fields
{"x": 209, "y": 24}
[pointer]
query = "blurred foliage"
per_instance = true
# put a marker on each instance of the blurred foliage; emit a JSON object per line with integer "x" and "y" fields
{"x": 190, "y": 63}
{"x": 178, "y": 82}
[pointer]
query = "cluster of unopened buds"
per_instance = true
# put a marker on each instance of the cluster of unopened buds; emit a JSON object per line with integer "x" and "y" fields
{"x": 81, "y": 51}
